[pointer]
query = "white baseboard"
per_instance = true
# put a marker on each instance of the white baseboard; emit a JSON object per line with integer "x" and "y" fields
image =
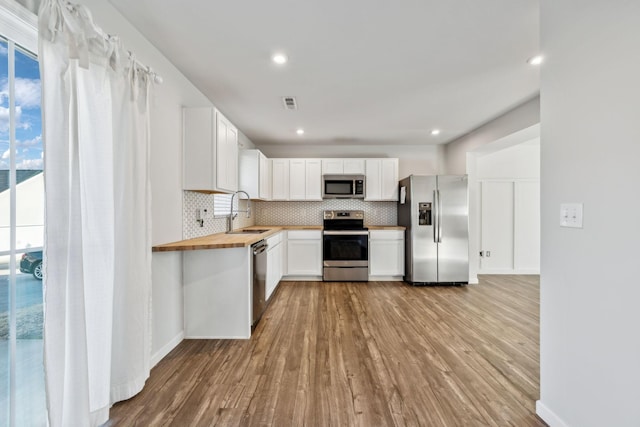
{"x": 503, "y": 271}
{"x": 385, "y": 278}
{"x": 473, "y": 280}
{"x": 302, "y": 279}
{"x": 166, "y": 349}
{"x": 548, "y": 416}
{"x": 217, "y": 337}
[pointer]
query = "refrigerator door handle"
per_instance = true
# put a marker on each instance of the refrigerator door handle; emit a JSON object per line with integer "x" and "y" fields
{"x": 439, "y": 213}
{"x": 435, "y": 216}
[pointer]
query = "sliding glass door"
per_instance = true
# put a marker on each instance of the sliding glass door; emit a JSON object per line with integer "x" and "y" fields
{"x": 22, "y": 395}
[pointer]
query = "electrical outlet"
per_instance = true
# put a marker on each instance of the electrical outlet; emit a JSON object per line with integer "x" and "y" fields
{"x": 571, "y": 215}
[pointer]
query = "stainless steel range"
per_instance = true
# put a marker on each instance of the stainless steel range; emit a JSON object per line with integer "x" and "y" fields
{"x": 345, "y": 247}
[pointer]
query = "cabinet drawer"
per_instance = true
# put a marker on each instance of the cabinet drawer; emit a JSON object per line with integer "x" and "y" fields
{"x": 303, "y": 234}
{"x": 386, "y": 234}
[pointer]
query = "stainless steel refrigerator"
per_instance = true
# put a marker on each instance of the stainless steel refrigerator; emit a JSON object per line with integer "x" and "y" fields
{"x": 435, "y": 211}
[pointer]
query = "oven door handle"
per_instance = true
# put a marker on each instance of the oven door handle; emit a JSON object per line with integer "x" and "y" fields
{"x": 346, "y": 233}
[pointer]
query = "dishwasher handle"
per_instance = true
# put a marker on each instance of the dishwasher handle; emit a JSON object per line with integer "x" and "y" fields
{"x": 259, "y": 247}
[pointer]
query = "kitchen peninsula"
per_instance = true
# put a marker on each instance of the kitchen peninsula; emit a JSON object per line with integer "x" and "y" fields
{"x": 217, "y": 281}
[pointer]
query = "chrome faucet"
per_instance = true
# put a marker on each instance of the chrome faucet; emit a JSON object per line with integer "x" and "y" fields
{"x": 232, "y": 216}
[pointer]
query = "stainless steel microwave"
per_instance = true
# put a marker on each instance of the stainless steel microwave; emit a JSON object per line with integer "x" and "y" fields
{"x": 343, "y": 186}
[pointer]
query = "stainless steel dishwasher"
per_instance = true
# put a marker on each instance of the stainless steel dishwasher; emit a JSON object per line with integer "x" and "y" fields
{"x": 258, "y": 289}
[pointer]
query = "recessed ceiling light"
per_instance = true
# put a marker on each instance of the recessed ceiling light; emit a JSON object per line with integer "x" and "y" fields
{"x": 279, "y": 58}
{"x": 435, "y": 132}
{"x": 535, "y": 60}
{"x": 300, "y": 131}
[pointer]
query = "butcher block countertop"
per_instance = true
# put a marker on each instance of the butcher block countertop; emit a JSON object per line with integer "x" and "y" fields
{"x": 223, "y": 240}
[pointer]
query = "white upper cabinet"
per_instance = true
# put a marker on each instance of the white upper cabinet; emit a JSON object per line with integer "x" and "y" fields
{"x": 313, "y": 179}
{"x": 343, "y": 166}
{"x": 255, "y": 174}
{"x": 354, "y": 166}
{"x": 265, "y": 178}
{"x": 279, "y": 179}
{"x": 296, "y": 179}
{"x": 227, "y": 154}
{"x": 210, "y": 151}
{"x": 381, "y": 180}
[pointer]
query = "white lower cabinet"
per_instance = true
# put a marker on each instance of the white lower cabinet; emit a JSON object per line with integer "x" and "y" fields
{"x": 274, "y": 263}
{"x": 217, "y": 293}
{"x": 304, "y": 253}
{"x": 386, "y": 254}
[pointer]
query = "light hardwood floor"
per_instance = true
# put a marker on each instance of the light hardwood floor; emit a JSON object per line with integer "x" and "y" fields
{"x": 360, "y": 354}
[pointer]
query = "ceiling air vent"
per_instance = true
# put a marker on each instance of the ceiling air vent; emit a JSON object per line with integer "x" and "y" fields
{"x": 289, "y": 103}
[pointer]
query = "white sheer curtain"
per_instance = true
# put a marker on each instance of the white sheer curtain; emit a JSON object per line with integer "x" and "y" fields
{"x": 97, "y": 229}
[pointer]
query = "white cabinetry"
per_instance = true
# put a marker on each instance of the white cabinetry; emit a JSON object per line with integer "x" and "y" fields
{"x": 217, "y": 293}
{"x": 274, "y": 263}
{"x": 386, "y": 254}
{"x": 296, "y": 179}
{"x": 304, "y": 253}
{"x": 255, "y": 174}
{"x": 210, "y": 151}
{"x": 343, "y": 166}
{"x": 279, "y": 179}
{"x": 381, "y": 180}
{"x": 313, "y": 179}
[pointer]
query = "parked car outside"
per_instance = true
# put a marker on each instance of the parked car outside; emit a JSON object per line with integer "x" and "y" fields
{"x": 31, "y": 263}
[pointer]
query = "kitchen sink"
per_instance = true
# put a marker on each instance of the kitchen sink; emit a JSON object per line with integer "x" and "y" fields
{"x": 247, "y": 231}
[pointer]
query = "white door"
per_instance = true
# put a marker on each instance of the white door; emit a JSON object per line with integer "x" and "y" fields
{"x": 527, "y": 227}
{"x": 497, "y": 227}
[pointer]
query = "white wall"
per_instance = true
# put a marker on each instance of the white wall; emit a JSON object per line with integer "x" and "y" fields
{"x": 518, "y": 162}
{"x": 413, "y": 159}
{"x": 590, "y": 92}
{"x": 521, "y": 117}
{"x": 166, "y": 171}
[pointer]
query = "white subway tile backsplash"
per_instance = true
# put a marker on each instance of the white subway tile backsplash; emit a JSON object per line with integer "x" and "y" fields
{"x": 278, "y": 213}
{"x": 310, "y": 213}
{"x": 193, "y": 200}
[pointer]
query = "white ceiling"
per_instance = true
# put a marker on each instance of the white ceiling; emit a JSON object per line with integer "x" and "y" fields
{"x": 363, "y": 71}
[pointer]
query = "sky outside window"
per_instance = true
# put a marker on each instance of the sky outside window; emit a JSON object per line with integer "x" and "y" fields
{"x": 28, "y": 114}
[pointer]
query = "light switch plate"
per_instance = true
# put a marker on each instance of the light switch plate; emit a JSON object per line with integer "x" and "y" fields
{"x": 571, "y": 215}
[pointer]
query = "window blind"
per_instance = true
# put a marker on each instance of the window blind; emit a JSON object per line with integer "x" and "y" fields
{"x": 222, "y": 205}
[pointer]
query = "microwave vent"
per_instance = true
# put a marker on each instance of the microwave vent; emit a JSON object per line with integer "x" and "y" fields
{"x": 289, "y": 103}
